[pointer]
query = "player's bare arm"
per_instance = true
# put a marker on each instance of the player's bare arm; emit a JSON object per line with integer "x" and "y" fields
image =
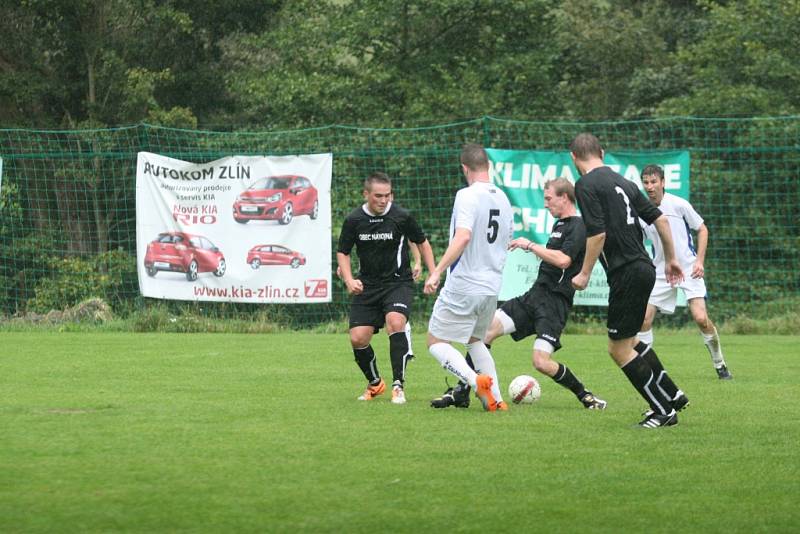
{"x": 698, "y": 269}
{"x": 454, "y": 250}
{"x": 416, "y": 269}
{"x": 594, "y": 246}
{"x": 553, "y": 257}
{"x": 425, "y": 250}
{"x": 354, "y": 285}
{"x": 672, "y": 269}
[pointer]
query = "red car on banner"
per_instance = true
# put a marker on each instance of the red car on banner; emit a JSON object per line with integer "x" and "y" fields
{"x": 274, "y": 255}
{"x": 278, "y": 198}
{"x": 183, "y": 253}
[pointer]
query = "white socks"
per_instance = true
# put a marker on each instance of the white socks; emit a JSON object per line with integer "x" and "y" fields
{"x": 454, "y": 361}
{"x": 646, "y": 337}
{"x": 711, "y": 341}
{"x": 714, "y": 348}
{"x": 484, "y": 364}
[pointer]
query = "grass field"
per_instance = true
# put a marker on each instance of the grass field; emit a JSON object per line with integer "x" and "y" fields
{"x": 262, "y": 433}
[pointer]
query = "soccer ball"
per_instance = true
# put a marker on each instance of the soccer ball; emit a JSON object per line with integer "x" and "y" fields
{"x": 524, "y": 390}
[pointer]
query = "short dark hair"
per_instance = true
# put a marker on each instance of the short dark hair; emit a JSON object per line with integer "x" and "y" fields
{"x": 586, "y": 145}
{"x": 653, "y": 170}
{"x": 474, "y": 157}
{"x": 376, "y": 177}
{"x": 561, "y": 186}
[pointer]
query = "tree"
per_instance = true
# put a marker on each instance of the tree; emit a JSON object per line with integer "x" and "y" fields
{"x": 89, "y": 64}
{"x": 393, "y": 63}
{"x": 746, "y": 62}
{"x": 615, "y": 56}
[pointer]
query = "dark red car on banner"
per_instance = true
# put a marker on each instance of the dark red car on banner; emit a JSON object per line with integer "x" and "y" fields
{"x": 183, "y": 253}
{"x": 278, "y": 198}
{"x": 274, "y": 255}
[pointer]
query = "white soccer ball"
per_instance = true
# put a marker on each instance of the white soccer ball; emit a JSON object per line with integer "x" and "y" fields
{"x": 524, "y": 390}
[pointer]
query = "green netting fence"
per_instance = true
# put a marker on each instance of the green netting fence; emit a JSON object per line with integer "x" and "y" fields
{"x": 67, "y": 208}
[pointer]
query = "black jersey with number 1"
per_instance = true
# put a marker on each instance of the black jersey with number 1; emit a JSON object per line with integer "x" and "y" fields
{"x": 609, "y": 203}
{"x": 380, "y": 242}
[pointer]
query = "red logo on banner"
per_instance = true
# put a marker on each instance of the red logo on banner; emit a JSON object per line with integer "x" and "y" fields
{"x": 316, "y": 288}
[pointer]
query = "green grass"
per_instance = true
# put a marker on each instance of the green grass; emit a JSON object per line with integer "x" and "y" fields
{"x": 262, "y": 433}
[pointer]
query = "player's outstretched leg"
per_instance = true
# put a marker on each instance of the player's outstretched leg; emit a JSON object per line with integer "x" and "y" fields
{"x": 566, "y": 379}
{"x": 451, "y": 360}
{"x": 562, "y": 375}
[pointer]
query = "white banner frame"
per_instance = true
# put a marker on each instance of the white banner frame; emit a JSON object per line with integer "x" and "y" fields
{"x": 229, "y": 217}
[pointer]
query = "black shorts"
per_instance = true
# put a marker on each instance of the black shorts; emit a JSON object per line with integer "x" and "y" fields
{"x": 371, "y": 306}
{"x": 629, "y": 289}
{"x": 540, "y": 311}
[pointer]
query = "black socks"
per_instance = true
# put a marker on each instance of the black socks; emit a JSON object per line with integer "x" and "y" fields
{"x": 565, "y": 378}
{"x": 643, "y": 378}
{"x": 398, "y": 354}
{"x": 365, "y": 358}
{"x": 663, "y": 380}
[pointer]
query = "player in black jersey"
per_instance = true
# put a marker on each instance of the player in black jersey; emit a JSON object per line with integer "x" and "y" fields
{"x": 382, "y": 294}
{"x": 611, "y": 207}
{"x": 544, "y": 308}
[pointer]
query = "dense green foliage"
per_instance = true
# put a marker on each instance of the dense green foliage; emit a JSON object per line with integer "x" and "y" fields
{"x": 262, "y": 433}
{"x": 279, "y": 64}
{"x": 108, "y": 276}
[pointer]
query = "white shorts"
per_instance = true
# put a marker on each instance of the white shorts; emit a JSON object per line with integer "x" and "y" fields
{"x": 458, "y": 317}
{"x": 665, "y": 296}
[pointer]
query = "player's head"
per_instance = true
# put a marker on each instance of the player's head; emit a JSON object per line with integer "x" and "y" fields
{"x": 585, "y": 148}
{"x": 377, "y": 192}
{"x": 559, "y": 197}
{"x": 653, "y": 183}
{"x": 474, "y": 161}
{"x": 377, "y": 178}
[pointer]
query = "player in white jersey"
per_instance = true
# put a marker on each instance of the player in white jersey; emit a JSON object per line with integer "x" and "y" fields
{"x": 682, "y": 219}
{"x": 480, "y": 231}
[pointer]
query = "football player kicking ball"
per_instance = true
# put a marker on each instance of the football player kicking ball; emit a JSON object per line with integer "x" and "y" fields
{"x": 382, "y": 294}
{"x": 480, "y": 230}
{"x": 543, "y": 310}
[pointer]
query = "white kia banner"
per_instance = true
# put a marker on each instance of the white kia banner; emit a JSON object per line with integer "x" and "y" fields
{"x": 238, "y": 229}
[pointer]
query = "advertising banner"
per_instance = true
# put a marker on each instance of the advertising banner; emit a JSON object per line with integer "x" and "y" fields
{"x": 522, "y": 175}
{"x": 238, "y": 229}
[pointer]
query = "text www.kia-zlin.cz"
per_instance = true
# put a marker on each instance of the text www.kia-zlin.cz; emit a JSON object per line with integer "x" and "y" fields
{"x": 266, "y": 292}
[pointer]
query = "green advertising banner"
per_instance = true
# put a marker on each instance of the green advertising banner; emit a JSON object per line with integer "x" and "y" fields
{"x": 522, "y": 175}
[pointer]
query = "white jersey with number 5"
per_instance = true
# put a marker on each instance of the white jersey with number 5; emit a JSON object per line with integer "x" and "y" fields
{"x": 484, "y": 210}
